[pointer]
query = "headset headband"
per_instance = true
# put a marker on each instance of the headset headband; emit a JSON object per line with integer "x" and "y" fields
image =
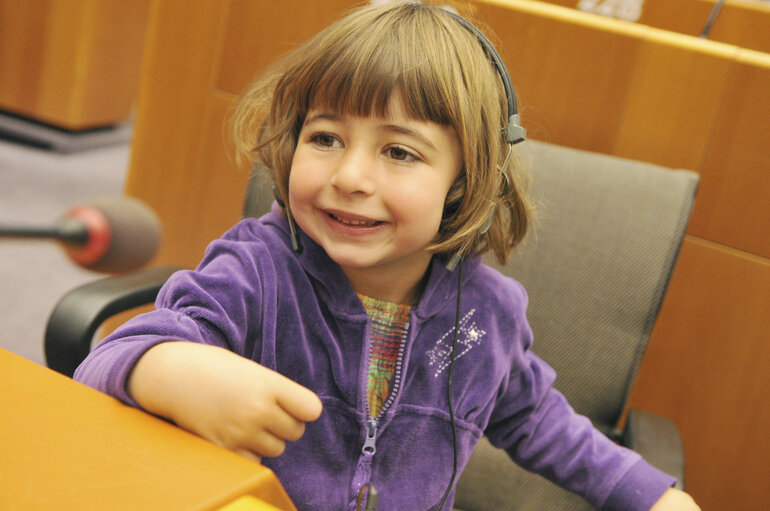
{"x": 514, "y": 132}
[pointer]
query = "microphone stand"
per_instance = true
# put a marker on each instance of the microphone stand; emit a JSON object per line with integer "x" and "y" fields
{"x": 68, "y": 231}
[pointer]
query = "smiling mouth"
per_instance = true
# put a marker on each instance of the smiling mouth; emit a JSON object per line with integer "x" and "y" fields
{"x": 355, "y": 222}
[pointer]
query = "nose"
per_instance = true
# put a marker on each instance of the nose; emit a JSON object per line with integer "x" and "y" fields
{"x": 354, "y": 174}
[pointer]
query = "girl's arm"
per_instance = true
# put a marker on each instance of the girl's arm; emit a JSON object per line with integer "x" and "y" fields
{"x": 223, "y": 397}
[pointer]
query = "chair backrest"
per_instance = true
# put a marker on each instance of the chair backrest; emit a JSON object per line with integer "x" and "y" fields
{"x": 596, "y": 267}
{"x": 259, "y": 194}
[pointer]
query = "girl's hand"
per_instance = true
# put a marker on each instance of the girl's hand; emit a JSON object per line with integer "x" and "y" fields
{"x": 675, "y": 500}
{"x": 223, "y": 397}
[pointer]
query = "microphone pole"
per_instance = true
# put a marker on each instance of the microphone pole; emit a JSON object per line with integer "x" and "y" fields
{"x": 111, "y": 234}
{"x": 66, "y": 231}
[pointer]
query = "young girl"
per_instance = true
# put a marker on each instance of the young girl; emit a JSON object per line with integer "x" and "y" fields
{"x": 325, "y": 338}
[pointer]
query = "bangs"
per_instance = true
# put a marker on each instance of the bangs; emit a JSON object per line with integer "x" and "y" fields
{"x": 360, "y": 69}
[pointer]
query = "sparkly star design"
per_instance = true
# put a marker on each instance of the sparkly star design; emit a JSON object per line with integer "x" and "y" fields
{"x": 469, "y": 335}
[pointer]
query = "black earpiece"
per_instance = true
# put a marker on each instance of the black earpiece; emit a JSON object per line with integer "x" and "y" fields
{"x": 295, "y": 244}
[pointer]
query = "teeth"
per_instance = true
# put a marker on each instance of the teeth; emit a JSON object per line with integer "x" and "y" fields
{"x": 366, "y": 223}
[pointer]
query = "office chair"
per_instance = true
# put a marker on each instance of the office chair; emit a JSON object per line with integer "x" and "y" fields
{"x": 596, "y": 267}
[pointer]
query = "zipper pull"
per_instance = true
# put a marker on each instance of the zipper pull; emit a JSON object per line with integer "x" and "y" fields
{"x": 371, "y": 437}
{"x": 372, "y": 498}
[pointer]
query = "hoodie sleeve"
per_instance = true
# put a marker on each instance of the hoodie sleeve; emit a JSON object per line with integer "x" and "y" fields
{"x": 218, "y": 304}
{"x": 541, "y": 432}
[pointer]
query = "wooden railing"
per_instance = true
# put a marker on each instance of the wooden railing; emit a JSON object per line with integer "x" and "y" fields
{"x": 744, "y": 23}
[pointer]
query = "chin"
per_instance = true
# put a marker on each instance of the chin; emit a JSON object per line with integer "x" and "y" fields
{"x": 356, "y": 261}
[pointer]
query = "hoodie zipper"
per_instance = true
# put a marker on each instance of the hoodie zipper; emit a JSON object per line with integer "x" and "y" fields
{"x": 364, "y": 467}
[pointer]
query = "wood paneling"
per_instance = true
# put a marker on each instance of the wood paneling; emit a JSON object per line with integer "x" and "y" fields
{"x": 672, "y": 99}
{"x": 177, "y": 79}
{"x": 182, "y": 164}
{"x": 616, "y": 87}
{"x": 21, "y": 56}
{"x": 259, "y": 32}
{"x": 220, "y": 185}
{"x": 71, "y": 63}
{"x": 733, "y": 205}
{"x": 706, "y": 368}
{"x": 677, "y": 101}
{"x": 567, "y": 66}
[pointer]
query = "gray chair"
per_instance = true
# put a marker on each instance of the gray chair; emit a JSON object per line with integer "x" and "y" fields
{"x": 596, "y": 268}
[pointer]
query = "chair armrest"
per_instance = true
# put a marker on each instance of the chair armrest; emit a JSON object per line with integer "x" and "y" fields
{"x": 75, "y": 318}
{"x": 657, "y": 439}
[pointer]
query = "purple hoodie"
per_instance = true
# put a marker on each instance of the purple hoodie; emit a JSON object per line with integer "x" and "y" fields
{"x": 297, "y": 314}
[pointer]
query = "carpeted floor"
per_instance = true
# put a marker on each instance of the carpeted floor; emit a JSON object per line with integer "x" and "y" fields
{"x": 36, "y": 187}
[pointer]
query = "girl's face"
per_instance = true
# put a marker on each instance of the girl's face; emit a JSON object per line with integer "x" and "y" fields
{"x": 371, "y": 191}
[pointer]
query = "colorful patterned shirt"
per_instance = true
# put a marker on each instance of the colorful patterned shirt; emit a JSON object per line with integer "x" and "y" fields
{"x": 389, "y": 323}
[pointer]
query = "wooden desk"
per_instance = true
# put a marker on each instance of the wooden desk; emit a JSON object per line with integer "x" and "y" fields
{"x": 65, "y": 446}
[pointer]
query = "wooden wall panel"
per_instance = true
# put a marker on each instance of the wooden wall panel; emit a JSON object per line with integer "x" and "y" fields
{"x": 219, "y": 187}
{"x": 672, "y": 99}
{"x": 733, "y": 205}
{"x": 182, "y": 164}
{"x": 71, "y": 63}
{"x": 567, "y": 67}
{"x": 249, "y": 47}
{"x": 21, "y": 56}
{"x": 706, "y": 368}
{"x": 177, "y": 77}
{"x": 696, "y": 104}
{"x": 109, "y": 76}
{"x": 651, "y": 95}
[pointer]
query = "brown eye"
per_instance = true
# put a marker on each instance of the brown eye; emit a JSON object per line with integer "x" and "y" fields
{"x": 324, "y": 140}
{"x": 401, "y": 154}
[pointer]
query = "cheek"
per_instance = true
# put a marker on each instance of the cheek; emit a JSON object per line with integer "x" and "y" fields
{"x": 303, "y": 184}
{"x": 422, "y": 206}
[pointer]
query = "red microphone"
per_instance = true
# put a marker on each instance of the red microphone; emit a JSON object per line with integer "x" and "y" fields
{"x": 109, "y": 234}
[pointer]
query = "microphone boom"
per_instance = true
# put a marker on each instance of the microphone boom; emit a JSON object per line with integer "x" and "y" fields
{"x": 109, "y": 234}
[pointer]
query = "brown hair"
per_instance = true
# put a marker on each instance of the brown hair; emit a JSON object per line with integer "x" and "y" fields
{"x": 443, "y": 75}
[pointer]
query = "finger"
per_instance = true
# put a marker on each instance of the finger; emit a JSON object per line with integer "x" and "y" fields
{"x": 285, "y": 426}
{"x": 264, "y": 443}
{"x": 299, "y": 402}
{"x": 248, "y": 455}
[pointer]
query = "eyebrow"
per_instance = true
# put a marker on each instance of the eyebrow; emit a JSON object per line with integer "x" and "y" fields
{"x": 396, "y": 128}
{"x": 393, "y": 128}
